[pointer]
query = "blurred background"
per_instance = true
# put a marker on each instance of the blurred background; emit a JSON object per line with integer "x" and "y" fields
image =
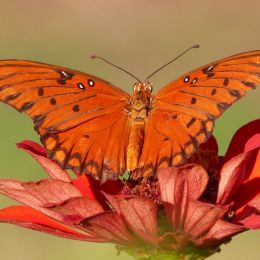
{"x": 140, "y": 36}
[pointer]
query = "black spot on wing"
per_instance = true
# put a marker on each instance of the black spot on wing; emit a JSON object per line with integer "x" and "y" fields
{"x": 26, "y": 106}
{"x": 51, "y": 130}
{"x": 64, "y": 76}
{"x": 76, "y": 108}
{"x": 222, "y": 106}
{"x": 235, "y": 93}
{"x": 38, "y": 120}
{"x": 210, "y": 74}
{"x": 193, "y": 100}
{"x": 208, "y": 71}
{"x": 53, "y": 101}
{"x": 248, "y": 84}
{"x": 213, "y": 92}
{"x": 191, "y": 122}
{"x": 40, "y": 91}
{"x": 226, "y": 82}
{"x": 12, "y": 97}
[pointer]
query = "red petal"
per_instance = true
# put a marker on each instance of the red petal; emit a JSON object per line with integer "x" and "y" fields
{"x": 253, "y": 142}
{"x": 170, "y": 178}
{"x": 32, "y": 147}
{"x": 92, "y": 189}
{"x": 33, "y": 219}
{"x": 220, "y": 232}
{"x": 249, "y": 190}
{"x": 112, "y": 187}
{"x": 239, "y": 140}
{"x": 30, "y": 194}
{"x": 233, "y": 174}
{"x": 248, "y": 216}
{"x": 110, "y": 227}
{"x": 252, "y": 221}
{"x": 201, "y": 217}
{"x": 87, "y": 186}
{"x": 178, "y": 186}
{"x": 75, "y": 210}
{"x": 141, "y": 217}
{"x": 51, "y": 192}
{"x": 39, "y": 154}
{"x": 114, "y": 203}
{"x": 255, "y": 202}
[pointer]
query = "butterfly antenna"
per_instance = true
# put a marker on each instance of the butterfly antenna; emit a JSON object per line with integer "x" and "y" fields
{"x": 98, "y": 57}
{"x": 192, "y": 47}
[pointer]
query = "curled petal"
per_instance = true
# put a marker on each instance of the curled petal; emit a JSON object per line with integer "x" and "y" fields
{"x": 33, "y": 219}
{"x": 39, "y": 154}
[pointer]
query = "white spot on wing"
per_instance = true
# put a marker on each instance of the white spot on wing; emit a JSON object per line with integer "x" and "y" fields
{"x": 64, "y": 73}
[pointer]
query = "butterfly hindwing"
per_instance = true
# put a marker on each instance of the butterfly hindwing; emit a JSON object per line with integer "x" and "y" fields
{"x": 77, "y": 115}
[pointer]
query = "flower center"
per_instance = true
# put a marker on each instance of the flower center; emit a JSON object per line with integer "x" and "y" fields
{"x": 147, "y": 188}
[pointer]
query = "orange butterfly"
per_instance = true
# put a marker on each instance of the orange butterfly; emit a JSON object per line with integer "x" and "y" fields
{"x": 88, "y": 125}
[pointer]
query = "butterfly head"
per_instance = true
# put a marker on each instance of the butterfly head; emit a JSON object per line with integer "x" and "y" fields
{"x": 142, "y": 94}
{"x": 143, "y": 87}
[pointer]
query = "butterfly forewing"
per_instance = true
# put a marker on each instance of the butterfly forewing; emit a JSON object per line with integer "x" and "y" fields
{"x": 77, "y": 115}
{"x": 184, "y": 111}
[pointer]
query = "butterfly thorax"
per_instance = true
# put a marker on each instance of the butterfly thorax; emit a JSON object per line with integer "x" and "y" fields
{"x": 141, "y": 103}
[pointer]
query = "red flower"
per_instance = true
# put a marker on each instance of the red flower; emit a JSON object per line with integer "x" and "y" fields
{"x": 78, "y": 208}
{"x": 192, "y": 220}
{"x": 239, "y": 185}
{"x": 186, "y": 208}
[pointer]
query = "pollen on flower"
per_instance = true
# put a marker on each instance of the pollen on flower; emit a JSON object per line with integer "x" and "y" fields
{"x": 230, "y": 215}
{"x": 146, "y": 188}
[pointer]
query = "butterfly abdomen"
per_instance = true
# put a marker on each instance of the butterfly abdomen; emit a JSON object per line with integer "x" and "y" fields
{"x": 135, "y": 144}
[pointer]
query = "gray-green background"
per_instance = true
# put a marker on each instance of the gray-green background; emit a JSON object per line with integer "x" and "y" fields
{"x": 139, "y": 36}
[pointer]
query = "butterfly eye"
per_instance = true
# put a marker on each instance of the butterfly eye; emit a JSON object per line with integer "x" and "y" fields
{"x": 137, "y": 87}
{"x": 150, "y": 86}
